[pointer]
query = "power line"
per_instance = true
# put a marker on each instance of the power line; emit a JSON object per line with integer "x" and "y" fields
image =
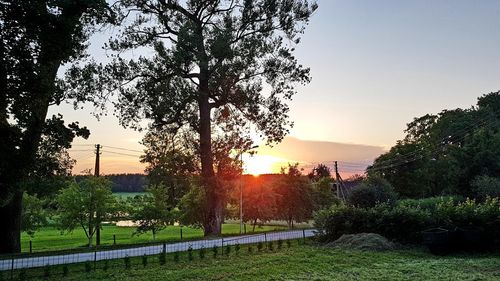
{"x": 121, "y": 148}
{"x": 119, "y": 153}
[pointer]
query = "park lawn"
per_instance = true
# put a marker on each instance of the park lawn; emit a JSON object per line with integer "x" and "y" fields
{"x": 300, "y": 262}
{"x": 51, "y": 239}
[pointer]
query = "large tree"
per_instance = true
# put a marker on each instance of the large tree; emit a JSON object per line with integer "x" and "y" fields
{"x": 206, "y": 61}
{"x": 36, "y": 38}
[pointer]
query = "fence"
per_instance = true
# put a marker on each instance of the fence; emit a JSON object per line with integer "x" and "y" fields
{"x": 91, "y": 258}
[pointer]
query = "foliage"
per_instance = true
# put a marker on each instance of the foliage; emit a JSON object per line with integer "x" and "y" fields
{"x": 144, "y": 260}
{"x": 36, "y": 38}
{"x": 190, "y": 253}
{"x": 404, "y": 222}
{"x": 192, "y": 206}
{"x": 201, "y": 252}
{"x": 370, "y": 192}
{"x": 486, "y": 186}
{"x": 126, "y": 262}
{"x": 259, "y": 204}
{"x": 210, "y": 61}
{"x": 430, "y": 203}
{"x": 162, "y": 258}
{"x": 33, "y": 215}
{"x": 152, "y": 212}
{"x": 322, "y": 194}
{"x": 441, "y": 153}
{"x": 294, "y": 203}
{"x": 169, "y": 162}
{"x": 215, "y": 251}
{"x": 319, "y": 172}
{"x": 86, "y": 204}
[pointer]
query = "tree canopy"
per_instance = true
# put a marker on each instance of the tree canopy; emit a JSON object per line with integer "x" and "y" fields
{"x": 214, "y": 67}
{"x": 36, "y": 38}
{"x": 444, "y": 153}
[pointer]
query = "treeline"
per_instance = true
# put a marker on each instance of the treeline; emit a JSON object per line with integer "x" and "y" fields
{"x": 124, "y": 182}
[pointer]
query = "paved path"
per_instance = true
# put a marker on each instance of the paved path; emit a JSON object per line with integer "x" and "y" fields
{"x": 40, "y": 261}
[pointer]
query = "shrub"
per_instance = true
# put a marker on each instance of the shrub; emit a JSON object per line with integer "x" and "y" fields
{"x": 144, "y": 260}
{"x": 201, "y": 253}
{"x": 228, "y": 250}
{"x": 260, "y": 245}
{"x": 237, "y": 248}
{"x": 162, "y": 258}
{"x": 270, "y": 246}
{"x": 250, "y": 249}
{"x": 429, "y": 203}
{"x": 88, "y": 266}
{"x": 486, "y": 186}
{"x": 106, "y": 265}
{"x": 288, "y": 243}
{"x": 190, "y": 253}
{"x": 280, "y": 244}
{"x": 46, "y": 271}
{"x": 22, "y": 275}
{"x": 371, "y": 192}
{"x": 405, "y": 222}
{"x": 176, "y": 256}
{"x": 215, "y": 251}
{"x": 126, "y": 261}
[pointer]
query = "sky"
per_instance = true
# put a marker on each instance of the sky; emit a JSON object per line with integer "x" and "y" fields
{"x": 375, "y": 65}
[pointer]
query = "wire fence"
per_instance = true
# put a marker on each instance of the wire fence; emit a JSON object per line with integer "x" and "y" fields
{"x": 43, "y": 266}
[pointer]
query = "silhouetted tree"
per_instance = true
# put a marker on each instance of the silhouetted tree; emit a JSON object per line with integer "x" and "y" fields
{"x": 210, "y": 61}
{"x": 36, "y": 37}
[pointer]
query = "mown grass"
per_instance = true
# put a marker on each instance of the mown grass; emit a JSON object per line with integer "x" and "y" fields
{"x": 300, "y": 262}
{"x": 51, "y": 238}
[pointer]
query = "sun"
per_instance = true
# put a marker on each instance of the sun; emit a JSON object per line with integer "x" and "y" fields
{"x": 261, "y": 164}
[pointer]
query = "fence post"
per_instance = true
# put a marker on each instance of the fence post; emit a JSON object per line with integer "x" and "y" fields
{"x": 181, "y": 232}
{"x": 95, "y": 257}
{"x": 304, "y": 235}
{"x": 164, "y": 248}
{"x": 31, "y": 247}
{"x": 114, "y": 240}
{"x": 222, "y": 243}
{"x": 265, "y": 237}
{"x": 12, "y": 269}
{"x": 245, "y": 226}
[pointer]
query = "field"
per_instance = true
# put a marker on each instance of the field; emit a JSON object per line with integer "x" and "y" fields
{"x": 300, "y": 262}
{"x": 50, "y": 238}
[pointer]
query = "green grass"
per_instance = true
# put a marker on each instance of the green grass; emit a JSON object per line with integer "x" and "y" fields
{"x": 302, "y": 262}
{"x": 51, "y": 239}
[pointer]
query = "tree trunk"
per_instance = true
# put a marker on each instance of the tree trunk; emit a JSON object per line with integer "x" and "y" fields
{"x": 98, "y": 235}
{"x": 213, "y": 218}
{"x": 10, "y": 216}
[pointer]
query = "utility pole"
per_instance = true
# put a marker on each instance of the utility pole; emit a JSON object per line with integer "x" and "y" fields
{"x": 337, "y": 182}
{"x": 97, "y": 154}
{"x": 96, "y": 173}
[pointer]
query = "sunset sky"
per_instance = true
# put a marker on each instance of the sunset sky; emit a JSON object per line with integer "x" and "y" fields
{"x": 374, "y": 65}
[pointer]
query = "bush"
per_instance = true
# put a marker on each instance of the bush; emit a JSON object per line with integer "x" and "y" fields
{"x": 162, "y": 258}
{"x": 429, "y": 203}
{"x": 46, "y": 271}
{"x": 371, "y": 192}
{"x": 22, "y": 275}
{"x": 288, "y": 243}
{"x": 250, "y": 249}
{"x": 237, "y": 248}
{"x": 88, "y": 266}
{"x": 190, "y": 253}
{"x": 215, "y": 251}
{"x": 201, "y": 253}
{"x": 260, "y": 245}
{"x": 280, "y": 244}
{"x": 228, "y": 250}
{"x": 270, "y": 246}
{"x": 485, "y": 186}
{"x": 106, "y": 265}
{"x": 405, "y": 222}
{"x": 144, "y": 260}
{"x": 176, "y": 256}
{"x": 126, "y": 261}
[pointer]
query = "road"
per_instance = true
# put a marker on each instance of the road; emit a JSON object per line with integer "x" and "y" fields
{"x": 40, "y": 261}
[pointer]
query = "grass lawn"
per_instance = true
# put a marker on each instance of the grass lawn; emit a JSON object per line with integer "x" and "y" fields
{"x": 302, "y": 262}
{"x": 125, "y": 195}
{"x": 50, "y": 238}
